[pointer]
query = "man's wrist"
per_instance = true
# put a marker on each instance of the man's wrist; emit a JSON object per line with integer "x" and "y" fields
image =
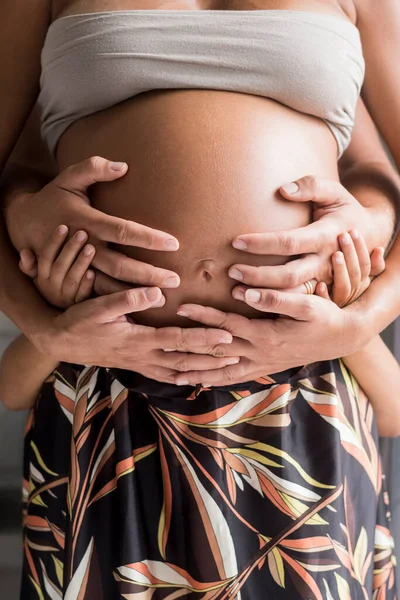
{"x": 381, "y": 221}
{"x": 379, "y": 194}
{"x": 17, "y": 215}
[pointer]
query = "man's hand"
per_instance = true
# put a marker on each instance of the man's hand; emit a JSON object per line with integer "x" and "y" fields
{"x": 335, "y": 211}
{"x": 97, "y": 332}
{"x": 316, "y": 330}
{"x": 32, "y": 218}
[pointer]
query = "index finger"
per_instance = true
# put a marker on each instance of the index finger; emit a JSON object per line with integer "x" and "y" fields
{"x": 304, "y": 240}
{"x": 297, "y": 306}
{"x": 191, "y": 339}
{"x": 106, "y": 309}
{"x": 50, "y": 251}
{"x": 237, "y": 325}
{"x": 129, "y": 233}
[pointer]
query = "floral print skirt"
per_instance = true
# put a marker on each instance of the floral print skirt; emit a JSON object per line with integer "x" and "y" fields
{"x": 270, "y": 490}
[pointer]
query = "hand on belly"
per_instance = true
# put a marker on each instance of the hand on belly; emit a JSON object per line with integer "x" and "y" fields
{"x": 204, "y": 167}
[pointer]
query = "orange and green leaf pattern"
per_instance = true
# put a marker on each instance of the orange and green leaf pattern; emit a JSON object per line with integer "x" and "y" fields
{"x": 138, "y": 490}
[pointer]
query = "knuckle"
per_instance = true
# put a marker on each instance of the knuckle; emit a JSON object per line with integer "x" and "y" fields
{"x": 355, "y": 273}
{"x": 273, "y": 299}
{"x": 312, "y": 183}
{"x": 365, "y": 265}
{"x": 152, "y": 278}
{"x": 121, "y": 233}
{"x": 119, "y": 268}
{"x": 182, "y": 365}
{"x": 94, "y": 162}
{"x": 224, "y": 323}
{"x": 218, "y": 351}
{"x": 131, "y": 300}
{"x": 291, "y": 278}
{"x": 308, "y": 307}
{"x": 229, "y": 375}
{"x": 287, "y": 242}
{"x": 69, "y": 282}
{"x": 181, "y": 343}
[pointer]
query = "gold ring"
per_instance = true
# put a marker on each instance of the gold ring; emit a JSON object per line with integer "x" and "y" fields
{"x": 309, "y": 287}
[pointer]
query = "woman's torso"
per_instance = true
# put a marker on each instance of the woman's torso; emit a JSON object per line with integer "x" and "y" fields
{"x": 204, "y": 166}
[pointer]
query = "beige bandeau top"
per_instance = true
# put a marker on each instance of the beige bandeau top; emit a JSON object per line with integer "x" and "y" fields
{"x": 310, "y": 62}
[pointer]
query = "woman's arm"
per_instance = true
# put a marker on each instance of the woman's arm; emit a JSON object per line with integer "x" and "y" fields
{"x": 378, "y": 373}
{"x": 23, "y": 370}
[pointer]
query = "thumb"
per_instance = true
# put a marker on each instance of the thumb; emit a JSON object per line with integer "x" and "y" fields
{"x": 314, "y": 189}
{"x": 112, "y": 307}
{"x": 377, "y": 261}
{"x": 79, "y": 177}
{"x": 28, "y": 263}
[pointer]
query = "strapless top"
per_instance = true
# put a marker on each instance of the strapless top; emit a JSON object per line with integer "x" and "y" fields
{"x": 310, "y": 62}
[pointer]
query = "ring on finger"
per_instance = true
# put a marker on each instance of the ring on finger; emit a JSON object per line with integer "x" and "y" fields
{"x": 309, "y": 287}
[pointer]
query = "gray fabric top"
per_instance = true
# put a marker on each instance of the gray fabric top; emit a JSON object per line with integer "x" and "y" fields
{"x": 310, "y": 62}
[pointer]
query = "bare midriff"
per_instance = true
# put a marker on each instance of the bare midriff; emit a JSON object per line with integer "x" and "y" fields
{"x": 204, "y": 166}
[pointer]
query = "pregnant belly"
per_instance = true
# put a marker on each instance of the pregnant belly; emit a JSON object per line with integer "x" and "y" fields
{"x": 204, "y": 166}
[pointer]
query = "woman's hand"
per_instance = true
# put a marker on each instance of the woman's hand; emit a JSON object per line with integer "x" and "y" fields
{"x": 98, "y": 332}
{"x": 32, "y": 218}
{"x": 335, "y": 211}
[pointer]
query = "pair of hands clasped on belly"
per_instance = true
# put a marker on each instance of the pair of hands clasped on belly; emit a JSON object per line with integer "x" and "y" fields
{"x": 230, "y": 348}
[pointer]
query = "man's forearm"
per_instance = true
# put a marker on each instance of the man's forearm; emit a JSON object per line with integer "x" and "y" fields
{"x": 380, "y": 305}
{"x": 377, "y": 188}
{"x": 19, "y": 299}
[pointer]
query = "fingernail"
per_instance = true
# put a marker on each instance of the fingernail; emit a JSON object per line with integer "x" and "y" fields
{"x": 182, "y": 313}
{"x": 322, "y": 288}
{"x": 355, "y": 234}
{"x": 171, "y": 244}
{"x": 152, "y": 294}
{"x": 172, "y": 282}
{"x": 236, "y": 274}
{"x": 224, "y": 339}
{"x": 345, "y": 239}
{"x": 62, "y": 230}
{"x": 89, "y": 275}
{"x": 168, "y": 350}
{"x": 182, "y": 382}
{"x": 206, "y": 385}
{"x": 239, "y": 244}
{"x": 232, "y": 361}
{"x": 290, "y": 188}
{"x": 253, "y": 296}
{"x": 339, "y": 258}
{"x": 88, "y": 250}
{"x": 81, "y": 236}
{"x": 160, "y": 304}
{"x": 238, "y": 294}
{"x": 118, "y": 166}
